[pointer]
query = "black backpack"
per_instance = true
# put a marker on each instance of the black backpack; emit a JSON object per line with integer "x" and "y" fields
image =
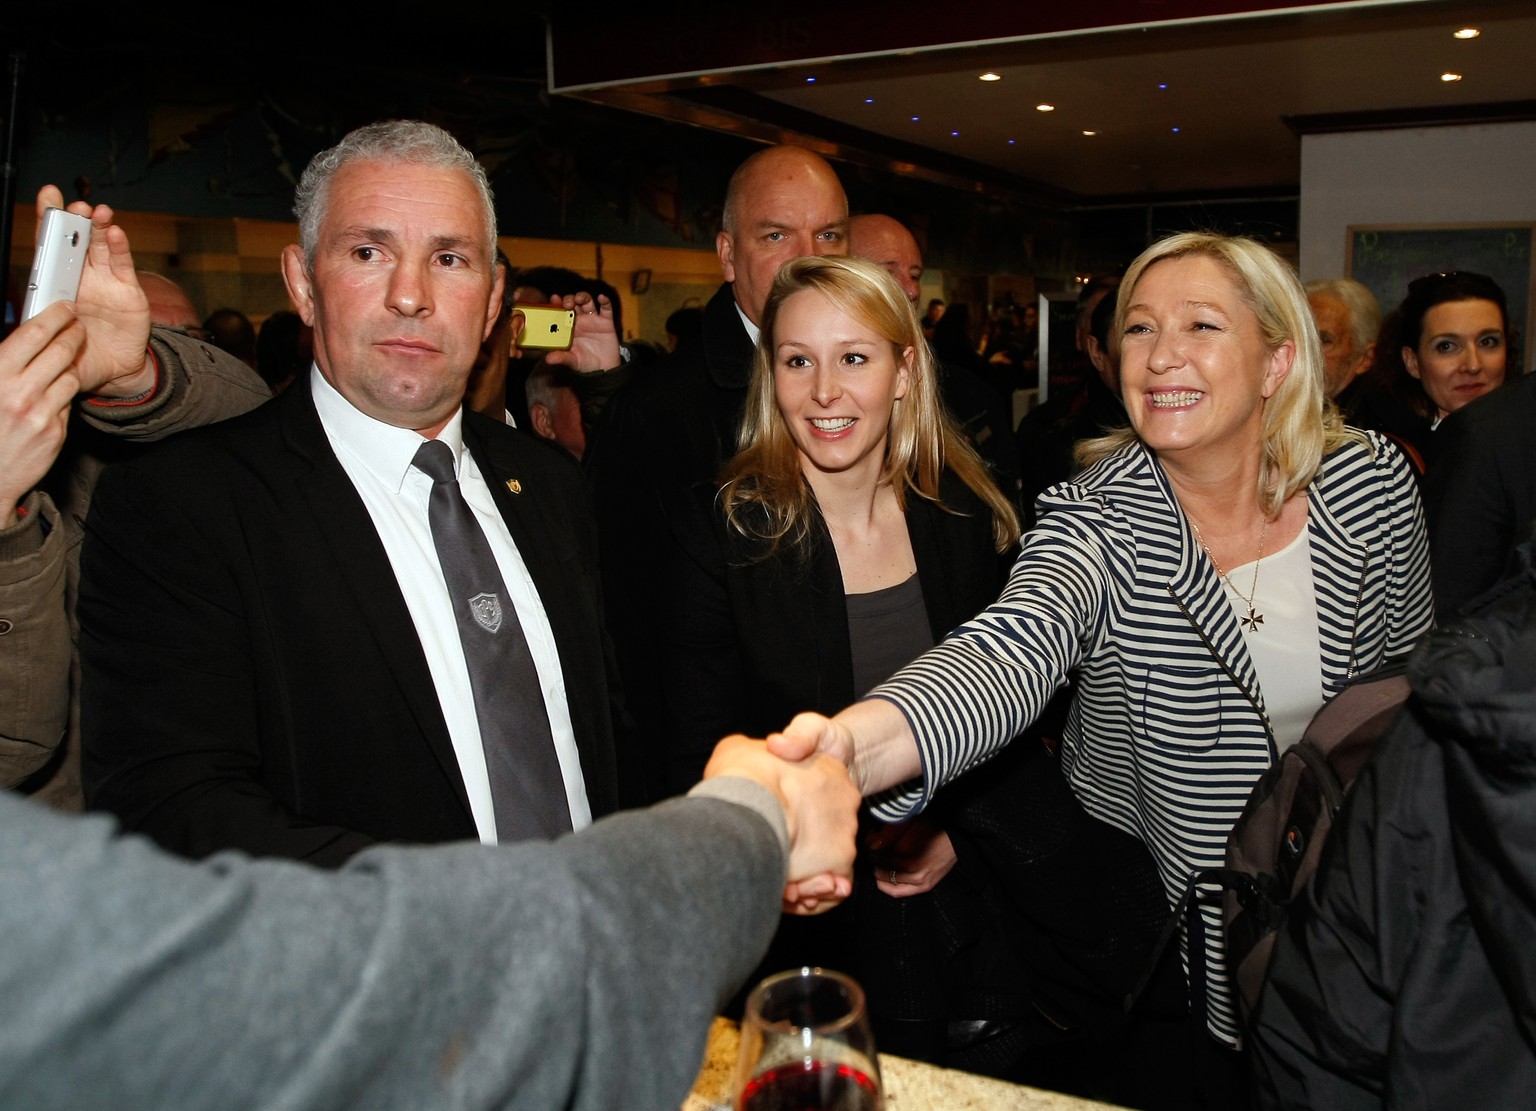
{"x": 1275, "y": 844}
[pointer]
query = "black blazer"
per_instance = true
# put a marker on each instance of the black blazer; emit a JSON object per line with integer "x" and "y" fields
{"x": 252, "y": 678}
{"x": 1480, "y": 496}
{"x": 749, "y": 642}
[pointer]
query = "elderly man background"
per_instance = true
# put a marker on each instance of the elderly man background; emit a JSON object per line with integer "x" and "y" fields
{"x": 1348, "y": 318}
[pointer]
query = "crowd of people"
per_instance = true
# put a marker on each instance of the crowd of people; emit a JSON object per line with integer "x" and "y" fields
{"x": 459, "y": 723}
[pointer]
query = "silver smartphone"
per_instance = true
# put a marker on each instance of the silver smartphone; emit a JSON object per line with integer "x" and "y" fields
{"x": 58, "y": 261}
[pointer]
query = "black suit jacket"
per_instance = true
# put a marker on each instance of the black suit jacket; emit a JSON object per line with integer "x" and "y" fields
{"x": 1480, "y": 496}
{"x": 673, "y": 425}
{"x": 252, "y": 676}
{"x": 751, "y": 641}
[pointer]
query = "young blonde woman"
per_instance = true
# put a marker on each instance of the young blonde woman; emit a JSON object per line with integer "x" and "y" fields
{"x": 855, "y": 528}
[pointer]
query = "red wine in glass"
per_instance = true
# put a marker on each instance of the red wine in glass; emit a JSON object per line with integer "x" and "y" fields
{"x": 811, "y": 1086}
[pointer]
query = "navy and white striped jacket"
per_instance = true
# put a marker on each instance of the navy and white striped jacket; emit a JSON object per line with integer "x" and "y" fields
{"x": 1168, "y": 732}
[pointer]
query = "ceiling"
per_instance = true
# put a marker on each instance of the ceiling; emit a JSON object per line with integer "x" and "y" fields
{"x": 1193, "y": 98}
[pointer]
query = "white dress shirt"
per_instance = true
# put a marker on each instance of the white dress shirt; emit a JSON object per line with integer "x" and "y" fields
{"x": 377, "y": 458}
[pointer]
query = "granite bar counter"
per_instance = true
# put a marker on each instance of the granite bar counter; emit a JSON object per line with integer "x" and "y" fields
{"x": 909, "y": 1085}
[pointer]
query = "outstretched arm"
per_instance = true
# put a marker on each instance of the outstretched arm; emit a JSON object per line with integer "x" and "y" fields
{"x": 872, "y": 738}
{"x": 582, "y": 973}
{"x": 37, "y": 388}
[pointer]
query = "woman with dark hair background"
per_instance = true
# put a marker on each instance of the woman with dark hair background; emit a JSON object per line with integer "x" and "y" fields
{"x": 1446, "y": 344}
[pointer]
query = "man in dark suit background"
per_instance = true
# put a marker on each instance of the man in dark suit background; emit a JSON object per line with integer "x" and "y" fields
{"x": 272, "y": 660}
{"x": 675, "y": 424}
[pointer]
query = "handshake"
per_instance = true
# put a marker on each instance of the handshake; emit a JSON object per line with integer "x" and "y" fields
{"x": 821, "y": 805}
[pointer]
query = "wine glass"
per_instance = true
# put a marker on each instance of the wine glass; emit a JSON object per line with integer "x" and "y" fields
{"x": 806, "y": 1046}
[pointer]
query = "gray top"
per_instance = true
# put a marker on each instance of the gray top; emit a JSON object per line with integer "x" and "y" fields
{"x": 581, "y": 973}
{"x": 886, "y": 629}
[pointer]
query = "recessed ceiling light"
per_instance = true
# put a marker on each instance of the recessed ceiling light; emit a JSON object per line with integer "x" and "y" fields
{"x": 1162, "y": 85}
{"x": 1449, "y": 77}
{"x": 810, "y": 80}
{"x": 869, "y": 100}
{"x": 1176, "y": 130}
{"x": 954, "y": 134}
{"x": 1466, "y": 33}
{"x": 1011, "y": 142}
{"x": 916, "y": 118}
{"x": 1045, "y": 108}
{"x": 1090, "y": 132}
{"x": 990, "y": 76}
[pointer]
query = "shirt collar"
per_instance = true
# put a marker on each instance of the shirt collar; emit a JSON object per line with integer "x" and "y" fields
{"x": 746, "y": 322}
{"x": 386, "y": 451}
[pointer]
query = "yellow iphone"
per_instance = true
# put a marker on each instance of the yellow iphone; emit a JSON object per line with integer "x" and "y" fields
{"x": 545, "y": 327}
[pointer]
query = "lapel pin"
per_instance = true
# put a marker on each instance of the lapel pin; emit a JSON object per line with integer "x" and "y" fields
{"x": 514, "y": 485}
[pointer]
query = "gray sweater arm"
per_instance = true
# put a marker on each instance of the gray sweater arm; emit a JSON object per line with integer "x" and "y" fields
{"x": 582, "y": 973}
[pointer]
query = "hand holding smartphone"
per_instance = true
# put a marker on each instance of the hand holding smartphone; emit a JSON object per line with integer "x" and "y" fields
{"x": 58, "y": 261}
{"x": 545, "y": 327}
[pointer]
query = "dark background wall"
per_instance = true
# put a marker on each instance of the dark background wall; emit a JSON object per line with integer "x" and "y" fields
{"x": 172, "y": 114}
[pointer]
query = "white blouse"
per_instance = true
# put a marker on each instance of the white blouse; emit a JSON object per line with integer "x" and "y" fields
{"x": 1284, "y": 647}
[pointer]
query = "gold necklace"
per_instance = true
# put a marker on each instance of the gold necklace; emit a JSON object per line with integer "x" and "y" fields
{"x": 1253, "y": 619}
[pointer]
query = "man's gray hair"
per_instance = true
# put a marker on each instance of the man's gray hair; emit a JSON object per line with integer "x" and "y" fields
{"x": 544, "y": 383}
{"x": 1361, "y": 304}
{"x": 390, "y": 142}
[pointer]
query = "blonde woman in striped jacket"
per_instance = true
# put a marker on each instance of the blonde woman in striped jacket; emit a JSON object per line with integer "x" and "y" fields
{"x": 1216, "y": 573}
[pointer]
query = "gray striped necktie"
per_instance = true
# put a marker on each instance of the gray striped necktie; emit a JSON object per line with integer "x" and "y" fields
{"x": 527, "y": 788}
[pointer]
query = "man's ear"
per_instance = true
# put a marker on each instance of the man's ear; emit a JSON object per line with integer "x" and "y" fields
{"x": 538, "y": 413}
{"x": 300, "y": 283}
{"x": 725, "y": 247}
{"x": 1367, "y": 360}
{"x": 493, "y": 308}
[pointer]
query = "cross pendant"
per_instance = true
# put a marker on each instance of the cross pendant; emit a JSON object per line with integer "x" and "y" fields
{"x": 1253, "y": 620}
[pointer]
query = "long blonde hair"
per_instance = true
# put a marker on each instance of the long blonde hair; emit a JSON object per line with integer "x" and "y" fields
{"x": 1300, "y": 424}
{"x": 764, "y": 492}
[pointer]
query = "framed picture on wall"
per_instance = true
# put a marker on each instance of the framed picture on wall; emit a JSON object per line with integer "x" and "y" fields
{"x": 1386, "y": 257}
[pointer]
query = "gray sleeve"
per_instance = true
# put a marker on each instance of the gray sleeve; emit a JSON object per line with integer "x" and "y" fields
{"x": 582, "y": 973}
{"x": 749, "y": 793}
{"x": 199, "y": 384}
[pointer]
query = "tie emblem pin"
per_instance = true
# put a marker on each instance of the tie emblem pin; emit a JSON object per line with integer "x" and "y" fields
{"x": 486, "y": 609}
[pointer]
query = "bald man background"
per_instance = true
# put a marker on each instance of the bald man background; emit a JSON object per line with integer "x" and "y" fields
{"x": 981, "y": 413}
{"x": 676, "y": 424}
{"x": 169, "y": 305}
